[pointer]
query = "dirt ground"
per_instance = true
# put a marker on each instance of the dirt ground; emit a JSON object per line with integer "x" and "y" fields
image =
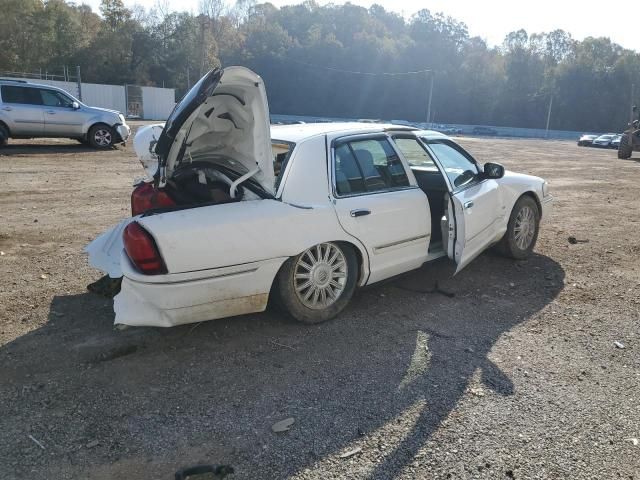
{"x": 514, "y": 376}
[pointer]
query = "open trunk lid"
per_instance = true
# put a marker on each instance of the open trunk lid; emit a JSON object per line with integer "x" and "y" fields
{"x": 225, "y": 114}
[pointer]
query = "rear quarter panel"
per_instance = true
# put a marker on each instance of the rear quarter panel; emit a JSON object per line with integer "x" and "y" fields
{"x": 237, "y": 233}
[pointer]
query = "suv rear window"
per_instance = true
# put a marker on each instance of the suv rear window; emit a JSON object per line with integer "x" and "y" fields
{"x": 24, "y": 95}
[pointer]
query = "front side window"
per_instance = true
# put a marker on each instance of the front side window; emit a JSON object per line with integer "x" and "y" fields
{"x": 415, "y": 154}
{"x": 20, "y": 95}
{"x": 51, "y": 98}
{"x": 370, "y": 165}
{"x": 460, "y": 169}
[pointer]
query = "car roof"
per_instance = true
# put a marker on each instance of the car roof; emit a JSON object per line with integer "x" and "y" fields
{"x": 296, "y": 133}
{"x": 25, "y": 83}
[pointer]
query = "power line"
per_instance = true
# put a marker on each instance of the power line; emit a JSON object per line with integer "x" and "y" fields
{"x": 369, "y": 74}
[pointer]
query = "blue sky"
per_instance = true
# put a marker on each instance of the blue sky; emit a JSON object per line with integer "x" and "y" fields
{"x": 492, "y": 19}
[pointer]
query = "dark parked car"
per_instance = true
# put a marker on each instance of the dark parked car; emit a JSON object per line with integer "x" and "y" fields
{"x": 586, "y": 140}
{"x": 484, "y": 131}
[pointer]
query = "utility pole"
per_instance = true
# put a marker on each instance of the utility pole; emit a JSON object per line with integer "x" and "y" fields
{"x": 188, "y": 79}
{"x": 549, "y": 114}
{"x": 633, "y": 87}
{"x": 430, "y": 97}
{"x": 79, "y": 80}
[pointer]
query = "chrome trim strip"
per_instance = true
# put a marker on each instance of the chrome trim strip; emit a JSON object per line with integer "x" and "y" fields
{"x": 400, "y": 242}
{"x": 211, "y": 277}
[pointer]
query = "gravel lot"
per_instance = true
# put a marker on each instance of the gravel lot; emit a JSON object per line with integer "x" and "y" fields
{"x": 515, "y": 376}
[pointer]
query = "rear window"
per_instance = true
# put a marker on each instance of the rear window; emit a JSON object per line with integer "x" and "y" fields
{"x": 281, "y": 153}
{"x": 20, "y": 95}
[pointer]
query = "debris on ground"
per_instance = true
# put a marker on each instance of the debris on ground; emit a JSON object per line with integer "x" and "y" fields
{"x": 37, "y": 442}
{"x": 477, "y": 391}
{"x": 574, "y": 241}
{"x": 283, "y": 425}
{"x": 633, "y": 440}
{"x": 351, "y": 453}
{"x": 618, "y": 344}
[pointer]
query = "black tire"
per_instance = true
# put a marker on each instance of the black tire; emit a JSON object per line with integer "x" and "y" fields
{"x": 101, "y": 136}
{"x": 4, "y": 135}
{"x": 289, "y": 290}
{"x": 510, "y": 245}
{"x": 624, "y": 149}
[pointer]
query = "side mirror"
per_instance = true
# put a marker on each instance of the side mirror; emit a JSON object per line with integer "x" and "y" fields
{"x": 493, "y": 170}
{"x": 75, "y": 105}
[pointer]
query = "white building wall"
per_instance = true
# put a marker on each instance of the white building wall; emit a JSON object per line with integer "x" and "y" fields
{"x": 105, "y": 96}
{"x": 157, "y": 102}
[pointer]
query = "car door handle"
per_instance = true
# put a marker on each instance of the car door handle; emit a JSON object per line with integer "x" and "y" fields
{"x": 360, "y": 212}
{"x": 468, "y": 204}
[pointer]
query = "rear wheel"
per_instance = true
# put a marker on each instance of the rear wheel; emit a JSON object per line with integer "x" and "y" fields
{"x": 101, "y": 136}
{"x": 624, "y": 149}
{"x": 4, "y": 135}
{"x": 317, "y": 285}
{"x": 522, "y": 230}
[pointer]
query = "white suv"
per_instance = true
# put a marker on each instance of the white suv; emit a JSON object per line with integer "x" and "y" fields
{"x": 29, "y": 110}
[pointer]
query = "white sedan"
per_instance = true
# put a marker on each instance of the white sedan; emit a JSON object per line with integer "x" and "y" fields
{"x": 237, "y": 212}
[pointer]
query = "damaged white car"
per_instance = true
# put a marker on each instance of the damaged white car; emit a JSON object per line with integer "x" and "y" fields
{"x": 237, "y": 212}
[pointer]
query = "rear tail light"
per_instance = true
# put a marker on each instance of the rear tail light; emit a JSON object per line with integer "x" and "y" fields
{"x": 145, "y": 197}
{"x": 142, "y": 250}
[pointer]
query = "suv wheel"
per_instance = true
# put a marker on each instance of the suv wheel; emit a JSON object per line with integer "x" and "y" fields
{"x": 101, "y": 136}
{"x": 4, "y": 135}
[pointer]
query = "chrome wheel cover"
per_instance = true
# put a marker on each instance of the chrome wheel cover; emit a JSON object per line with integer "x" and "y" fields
{"x": 524, "y": 228}
{"x": 102, "y": 137}
{"x": 320, "y": 276}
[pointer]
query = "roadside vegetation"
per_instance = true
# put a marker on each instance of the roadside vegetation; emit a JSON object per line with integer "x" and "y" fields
{"x": 291, "y": 47}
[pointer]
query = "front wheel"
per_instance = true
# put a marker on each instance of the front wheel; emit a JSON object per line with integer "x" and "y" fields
{"x": 101, "y": 136}
{"x": 317, "y": 285}
{"x": 624, "y": 149}
{"x": 522, "y": 229}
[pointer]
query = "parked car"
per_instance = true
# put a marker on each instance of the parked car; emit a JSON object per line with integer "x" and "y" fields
{"x": 237, "y": 213}
{"x": 30, "y": 110}
{"x": 484, "y": 131}
{"x": 604, "y": 141}
{"x": 586, "y": 140}
{"x": 615, "y": 143}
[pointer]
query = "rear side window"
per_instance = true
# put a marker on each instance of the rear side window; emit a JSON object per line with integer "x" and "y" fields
{"x": 370, "y": 165}
{"x": 20, "y": 95}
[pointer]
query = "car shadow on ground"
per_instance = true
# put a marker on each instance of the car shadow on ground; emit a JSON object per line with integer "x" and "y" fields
{"x": 145, "y": 401}
{"x": 47, "y": 149}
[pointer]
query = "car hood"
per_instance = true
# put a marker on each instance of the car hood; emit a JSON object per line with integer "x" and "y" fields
{"x": 225, "y": 114}
{"x": 103, "y": 110}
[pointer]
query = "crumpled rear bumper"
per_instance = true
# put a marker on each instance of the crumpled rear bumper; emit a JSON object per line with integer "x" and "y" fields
{"x": 169, "y": 300}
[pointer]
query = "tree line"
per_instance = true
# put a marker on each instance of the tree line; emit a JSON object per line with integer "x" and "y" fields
{"x": 334, "y": 60}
